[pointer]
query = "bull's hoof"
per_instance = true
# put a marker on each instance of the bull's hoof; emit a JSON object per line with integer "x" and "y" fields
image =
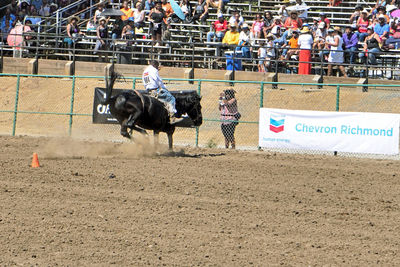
{"x": 126, "y": 134}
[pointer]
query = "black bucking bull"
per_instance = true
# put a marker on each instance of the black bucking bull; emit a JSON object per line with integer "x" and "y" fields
{"x": 140, "y": 111}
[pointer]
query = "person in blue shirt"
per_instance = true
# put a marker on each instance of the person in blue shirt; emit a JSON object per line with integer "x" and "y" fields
{"x": 382, "y": 28}
{"x": 350, "y": 41}
{"x": 7, "y": 17}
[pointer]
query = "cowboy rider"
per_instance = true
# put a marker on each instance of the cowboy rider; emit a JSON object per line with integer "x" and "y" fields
{"x": 155, "y": 86}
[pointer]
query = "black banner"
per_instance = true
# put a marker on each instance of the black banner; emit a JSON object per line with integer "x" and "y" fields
{"x": 101, "y": 113}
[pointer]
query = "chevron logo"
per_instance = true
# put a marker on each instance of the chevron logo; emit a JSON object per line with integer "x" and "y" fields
{"x": 277, "y": 123}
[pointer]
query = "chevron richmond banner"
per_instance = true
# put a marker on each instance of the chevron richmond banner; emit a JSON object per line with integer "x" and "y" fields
{"x": 374, "y": 133}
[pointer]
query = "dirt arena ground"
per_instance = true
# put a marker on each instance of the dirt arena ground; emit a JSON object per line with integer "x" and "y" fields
{"x": 123, "y": 204}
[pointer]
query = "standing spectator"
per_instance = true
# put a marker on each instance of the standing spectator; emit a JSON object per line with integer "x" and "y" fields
{"x": 229, "y": 116}
{"x": 305, "y": 42}
{"x": 362, "y": 25}
{"x": 200, "y": 12}
{"x": 139, "y": 16}
{"x": 262, "y": 55}
{"x": 237, "y": 19}
{"x": 350, "y": 41}
{"x": 323, "y": 18}
{"x": 156, "y": 17}
{"x": 303, "y": 14}
{"x": 102, "y": 36}
{"x": 335, "y": 43}
{"x": 268, "y": 21}
{"x": 371, "y": 47}
{"x": 270, "y": 47}
{"x": 220, "y": 26}
{"x": 126, "y": 10}
{"x": 257, "y": 27}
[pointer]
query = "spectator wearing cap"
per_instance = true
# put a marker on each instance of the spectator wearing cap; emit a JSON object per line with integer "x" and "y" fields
{"x": 363, "y": 23}
{"x": 336, "y": 57}
{"x": 245, "y": 41}
{"x": 257, "y": 26}
{"x": 382, "y": 29}
{"x": 219, "y": 28}
{"x": 305, "y": 42}
{"x": 126, "y": 10}
{"x": 232, "y": 36}
{"x": 370, "y": 48}
{"x": 237, "y": 19}
{"x": 350, "y": 41}
{"x": 323, "y": 18}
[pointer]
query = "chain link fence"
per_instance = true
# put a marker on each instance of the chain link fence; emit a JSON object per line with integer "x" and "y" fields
{"x": 63, "y": 105}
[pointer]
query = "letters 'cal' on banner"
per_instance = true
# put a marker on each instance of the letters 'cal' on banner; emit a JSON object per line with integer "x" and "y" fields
{"x": 354, "y": 132}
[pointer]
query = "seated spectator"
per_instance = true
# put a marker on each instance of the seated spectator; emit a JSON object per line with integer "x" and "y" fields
{"x": 34, "y": 18}
{"x": 219, "y": 4}
{"x": 356, "y": 15}
{"x": 127, "y": 11}
{"x": 91, "y": 26}
{"x": 334, "y": 3}
{"x": 117, "y": 26}
{"x": 128, "y": 32}
{"x": 245, "y": 41}
{"x": 292, "y": 23}
{"x": 382, "y": 29}
{"x": 5, "y": 30}
{"x": 257, "y": 27}
{"x": 148, "y": 5}
{"x": 268, "y": 21}
{"x": 156, "y": 17}
{"x": 394, "y": 38}
{"x": 237, "y": 19}
{"x": 335, "y": 43}
{"x": 323, "y": 18}
{"x": 293, "y": 44}
{"x": 7, "y": 19}
{"x": 139, "y": 16}
{"x": 362, "y": 25}
{"x": 370, "y": 48}
{"x": 200, "y": 12}
{"x": 96, "y": 16}
{"x": 73, "y": 31}
{"x": 168, "y": 11}
{"x": 276, "y": 26}
{"x": 378, "y": 4}
{"x": 44, "y": 11}
{"x": 232, "y": 36}
{"x": 302, "y": 14}
{"x": 14, "y": 8}
{"x": 381, "y": 11}
{"x": 102, "y": 36}
{"x": 282, "y": 12}
{"x": 350, "y": 41}
{"x": 220, "y": 26}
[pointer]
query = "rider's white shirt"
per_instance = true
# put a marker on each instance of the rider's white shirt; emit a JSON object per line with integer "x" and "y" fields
{"x": 151, "y": 79}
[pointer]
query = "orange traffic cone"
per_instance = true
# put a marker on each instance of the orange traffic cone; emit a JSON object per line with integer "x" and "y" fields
{"x": 35, "y": 161}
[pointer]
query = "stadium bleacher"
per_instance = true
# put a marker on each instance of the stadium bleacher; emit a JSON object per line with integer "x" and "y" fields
{"x": 187, "y": 43}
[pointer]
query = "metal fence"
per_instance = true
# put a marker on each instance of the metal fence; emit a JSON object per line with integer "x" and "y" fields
{"x": 50, "y": 105}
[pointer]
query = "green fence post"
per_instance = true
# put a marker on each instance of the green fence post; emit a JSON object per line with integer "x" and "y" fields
{"x": 262, "y": 95}
{"x": 72, "y": 105}
{"x": 337, "y": 97}
{"x": 133, "y": 83}
{"x": 197, "y": 128}
{"x": 16, "y": 106}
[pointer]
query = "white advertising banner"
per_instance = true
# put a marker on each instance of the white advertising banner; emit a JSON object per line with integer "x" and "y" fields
{"x": 375, "y": 133}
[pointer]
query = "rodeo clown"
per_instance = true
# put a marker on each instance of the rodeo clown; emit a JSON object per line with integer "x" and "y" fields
{"x": 155, "y": 87}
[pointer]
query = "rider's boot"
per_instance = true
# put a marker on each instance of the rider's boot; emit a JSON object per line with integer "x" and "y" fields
{"x": 174, "y": 120}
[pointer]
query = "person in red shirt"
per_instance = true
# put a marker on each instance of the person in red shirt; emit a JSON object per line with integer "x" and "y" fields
{"x": 293, "y": 22}
{"x": 220, "y": 26}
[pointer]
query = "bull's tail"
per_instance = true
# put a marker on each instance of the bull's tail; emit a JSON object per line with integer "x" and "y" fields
{"x": 110, "y": 85}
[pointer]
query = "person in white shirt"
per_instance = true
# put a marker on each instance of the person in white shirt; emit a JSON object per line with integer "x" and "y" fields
{"x": 303, "y": 14}
{"x": 236, "y": 19}
{"x": 154, "y": 85}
